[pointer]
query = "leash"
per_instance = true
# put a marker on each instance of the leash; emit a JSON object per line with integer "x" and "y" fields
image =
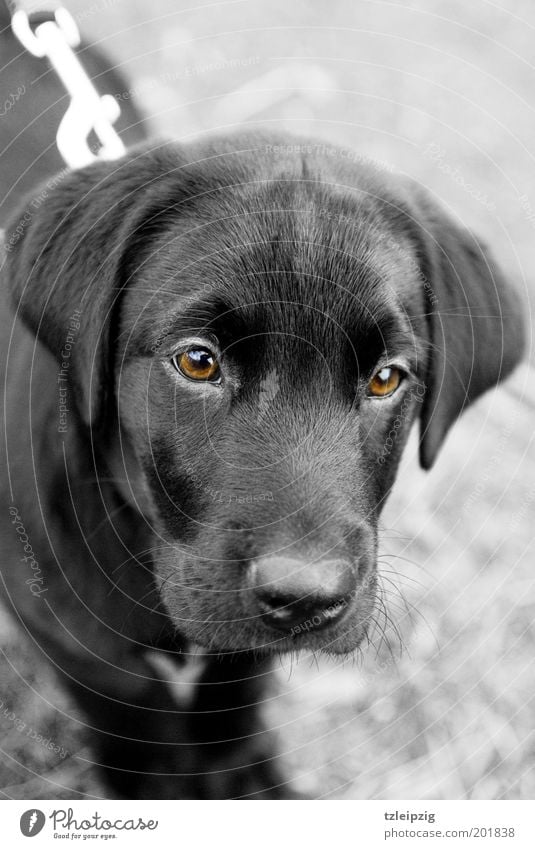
{"x": 52, "y": 34}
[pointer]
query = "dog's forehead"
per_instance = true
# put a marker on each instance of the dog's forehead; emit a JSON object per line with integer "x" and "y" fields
{"x": 275, "y": 252}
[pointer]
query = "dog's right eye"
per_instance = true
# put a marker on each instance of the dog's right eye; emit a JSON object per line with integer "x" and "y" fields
{"x": 385, "y": 382}
{"x": 197, "y": 364}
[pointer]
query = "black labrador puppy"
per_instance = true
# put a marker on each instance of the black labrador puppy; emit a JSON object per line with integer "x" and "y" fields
{"x": 214, "y": 355}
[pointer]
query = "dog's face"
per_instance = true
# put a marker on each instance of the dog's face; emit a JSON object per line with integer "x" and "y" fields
{"x": 283, "y": 318}
{"x": 268, "y": 348}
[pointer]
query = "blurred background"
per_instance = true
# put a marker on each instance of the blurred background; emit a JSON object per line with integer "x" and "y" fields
{"x": 441, "y": 704}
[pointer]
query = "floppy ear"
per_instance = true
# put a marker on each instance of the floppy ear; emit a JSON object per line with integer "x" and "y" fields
{"x": 474, "y": 315}
{"x": 66, "y": 260}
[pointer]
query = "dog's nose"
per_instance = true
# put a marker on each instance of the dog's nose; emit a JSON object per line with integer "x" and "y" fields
{"x": 292, "y": 594}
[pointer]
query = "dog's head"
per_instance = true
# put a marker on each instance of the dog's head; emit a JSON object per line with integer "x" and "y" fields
{"x": 261, "y": 321}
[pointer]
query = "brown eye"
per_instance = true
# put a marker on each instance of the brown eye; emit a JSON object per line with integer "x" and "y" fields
{"x": 384, "y": 382}
{"x": 197, "y": 364}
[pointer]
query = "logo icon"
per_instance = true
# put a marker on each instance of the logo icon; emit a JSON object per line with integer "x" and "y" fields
{"x": 31, "y": 822}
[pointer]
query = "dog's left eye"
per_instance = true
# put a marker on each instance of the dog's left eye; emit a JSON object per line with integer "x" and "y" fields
{"x": 197, "y": 364}
{"x": 385, "y": 382}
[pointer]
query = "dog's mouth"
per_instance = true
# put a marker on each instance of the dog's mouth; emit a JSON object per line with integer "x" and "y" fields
{"x": 318, "y": 640}
{"x": 333, "y": 630}
{"x": 271, "y": 604}
{"x": 284, "y": 619}
{"x": 337, "y": 629}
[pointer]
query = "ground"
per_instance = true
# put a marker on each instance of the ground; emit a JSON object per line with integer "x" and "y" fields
{"x": 441, "y": 706}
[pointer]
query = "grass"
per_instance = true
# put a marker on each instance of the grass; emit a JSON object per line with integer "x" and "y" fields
{"x": 440, "y": 705}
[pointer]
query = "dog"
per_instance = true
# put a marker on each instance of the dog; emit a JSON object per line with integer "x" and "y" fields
{"x": 206, "y": 347}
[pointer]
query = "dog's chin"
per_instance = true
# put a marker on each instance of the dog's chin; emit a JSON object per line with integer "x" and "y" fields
{"x": 224, "y": 631}
{"x": 265, "y": 643}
